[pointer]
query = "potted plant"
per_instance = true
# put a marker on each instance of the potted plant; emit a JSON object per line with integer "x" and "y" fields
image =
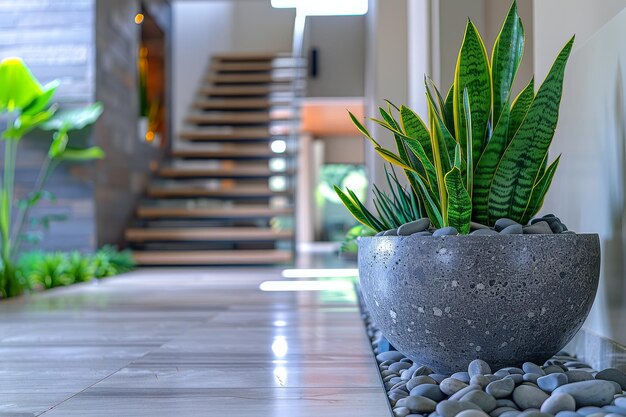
{"x": 467, "y": 277}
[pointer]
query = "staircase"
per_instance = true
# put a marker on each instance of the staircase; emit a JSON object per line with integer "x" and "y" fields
{"x": 226, "y": 194}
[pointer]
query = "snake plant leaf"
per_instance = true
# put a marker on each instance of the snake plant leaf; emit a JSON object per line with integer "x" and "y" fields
{"x": 368, "y": 215}
{"x": 446, "y": 142}
{"x": 353, "y": 209}
{"x": 520, "y": 107}
{"x": 472, "y": 72}
{"x": 539, "y": 191}
{"x": 392, "y": 158}
{"x": 431, "y": 202}
{"x": 505, "y": 60}
{"x": 486, "y": 168}
{"x": 524, "y": 157}
{"x": 448, "y": 114}
{"x": 403, "y": 152}
{"x": 414, "y": 128}
{"x": 469, "y": 158}
{"x": 459, "y": 212}
{"x": 362, "y": 129}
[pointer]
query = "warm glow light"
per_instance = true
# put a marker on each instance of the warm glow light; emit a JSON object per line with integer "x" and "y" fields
{"x": 324, "y": 7}
{"x": 320, "y": 273}
{"x": 279, "y": 146}
{"x": 306, "y": 285}
{"x": 149, "y": 136}
{"x": 139, "y": 18}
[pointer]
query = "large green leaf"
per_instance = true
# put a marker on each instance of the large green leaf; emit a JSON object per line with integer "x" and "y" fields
{"x": 520, "y": 107}
{"x": 447, "y": 142}
{"x": 459, "y": 202}
{"x": 74, "y": 119}
{"x": 469, "y": 158}
{"x": 449, "y": 112}
{"x": 505, "y": 60}
{"x": 427, "y": 165}
{"x": 431, "y": 203}
{"x": 524, "y": 157}
{"x": 362, "y": 129}
{"x": 18, "y": 86}
{"x": 353, "y": 208}
{"x": 486, "y": 168}
{"x": 78, "y": 155}
{"x": 539, "y": 191}
{"x": 472, "y": 72}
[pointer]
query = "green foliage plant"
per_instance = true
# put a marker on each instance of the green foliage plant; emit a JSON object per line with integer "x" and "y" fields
{"x": 25, "y": 104}
{"x": 484, "y": 154}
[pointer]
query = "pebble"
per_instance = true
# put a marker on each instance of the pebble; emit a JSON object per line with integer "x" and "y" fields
{"x": 477, "y": 226}
{"x": 618, "y": 387}
{"x": 438, "y": 377}
{"x": 567, "y": 414}
{"x": 485, "y": 401}
{"x": 450, "y": 385}
{"x": 620, "y": 402}
{"x": 589, "y": 410}
{"x": 534, "y": 413}
{"x": 484, "y": 232}
{"x": 505, "y": 402}
{"x": 596, "y": 392}
{"x": 501, "y": 388}
{"x": 554, "y": 369}
{"x": 481, "y": 380}
{"x": 417, "y": 404}
{"x": 501, "y": 410}
{"x": 531, "y": 368}
{"x": 380, "y": 233}
{"x": 460, "y": 393}
{"x": 413, "y": 227}
{"x": 429, "y": 391}
{"x": 512, "y": 370}
{"x": 462, "y": 376}
{"x": 512, "y": 413}
{"x": 399, "y": 366}
{"x": 392, "y": 232}
{"x": 419, "y": 380}
{"x": 503, "y": 223}
{"x": 446, "y": 231}
{"x": 424, "y": 233}
{"x": 449, "y": 408}
{"x": 551, "y": 382}
{"x": 472, "y": 413}
{"x": 422, "y": 370}
{"x": 514, "y": 229}
{"x": 408, "y": 373}
{"x": 478, "y": 367}
{"x": 391, "y": 355}
{"x": 533, "y": 377}
{"x": 577, "y": 376}
{"x": 557, "y": 403}
{"x": 501, "y": 373}
{"x": 539, "y": 228}
{"x": 528, "y": 397}
{"x": 401, "y": 412}
{"x": 517, "y": 378}
{"x": 613, "y": 374}
{"x": 614, "y": 409}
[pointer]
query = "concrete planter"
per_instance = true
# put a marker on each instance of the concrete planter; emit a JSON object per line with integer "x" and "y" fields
{"x": 507, "y": 299}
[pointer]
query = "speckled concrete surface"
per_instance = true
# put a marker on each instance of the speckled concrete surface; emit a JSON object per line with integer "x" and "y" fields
{"x": 504, "y": 299}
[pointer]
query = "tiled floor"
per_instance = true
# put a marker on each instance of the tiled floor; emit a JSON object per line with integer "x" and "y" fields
{"x": 187, "y": 343}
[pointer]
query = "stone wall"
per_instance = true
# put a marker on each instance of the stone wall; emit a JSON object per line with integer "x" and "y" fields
{"x": 123, "y": 177}
{"x": 55, "y": 38}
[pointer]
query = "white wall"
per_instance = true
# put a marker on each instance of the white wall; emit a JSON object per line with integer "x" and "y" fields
{"x": 589, "y": 190}
{"x": 200, "y": 29}
{"x": 557, "y": 20}
{"x": 256, "y": 26}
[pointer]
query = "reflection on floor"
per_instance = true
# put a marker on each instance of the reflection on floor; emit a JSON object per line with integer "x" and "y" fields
{"x": 188, "y": 343}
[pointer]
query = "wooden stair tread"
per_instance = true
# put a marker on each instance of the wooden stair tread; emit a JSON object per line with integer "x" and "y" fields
{"x": 233, "y": 234}
{"x": 218, "y": 257}
{"x": 242, "y": 103}
{"x": 246, "y": 79}
{"x": 248, "y": 56}
{"x": 235, "y": 118}
{"x": 197, "y": 191}
{"x": 151, "y": 212}
{"x": 229, "y": 153}
{"x": 240, "y": 133}
{"x": 221, "y": 66}
{"x": 252, "y": 90}
{"x": 233, "y": 171}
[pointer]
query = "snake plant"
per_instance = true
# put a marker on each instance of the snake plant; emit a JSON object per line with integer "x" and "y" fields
{"x": 484, "y": 154}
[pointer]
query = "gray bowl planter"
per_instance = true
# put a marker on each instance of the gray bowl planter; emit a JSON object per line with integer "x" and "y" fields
{"x": 507, "y": 299}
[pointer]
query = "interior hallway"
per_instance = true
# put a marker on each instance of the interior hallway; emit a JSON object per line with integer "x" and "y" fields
{"x": 187, "y": 342}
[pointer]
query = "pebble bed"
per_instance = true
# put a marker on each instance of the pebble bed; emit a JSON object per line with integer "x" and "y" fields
{"x": 561, "y": 387}
{"x": 548, "y": 224}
